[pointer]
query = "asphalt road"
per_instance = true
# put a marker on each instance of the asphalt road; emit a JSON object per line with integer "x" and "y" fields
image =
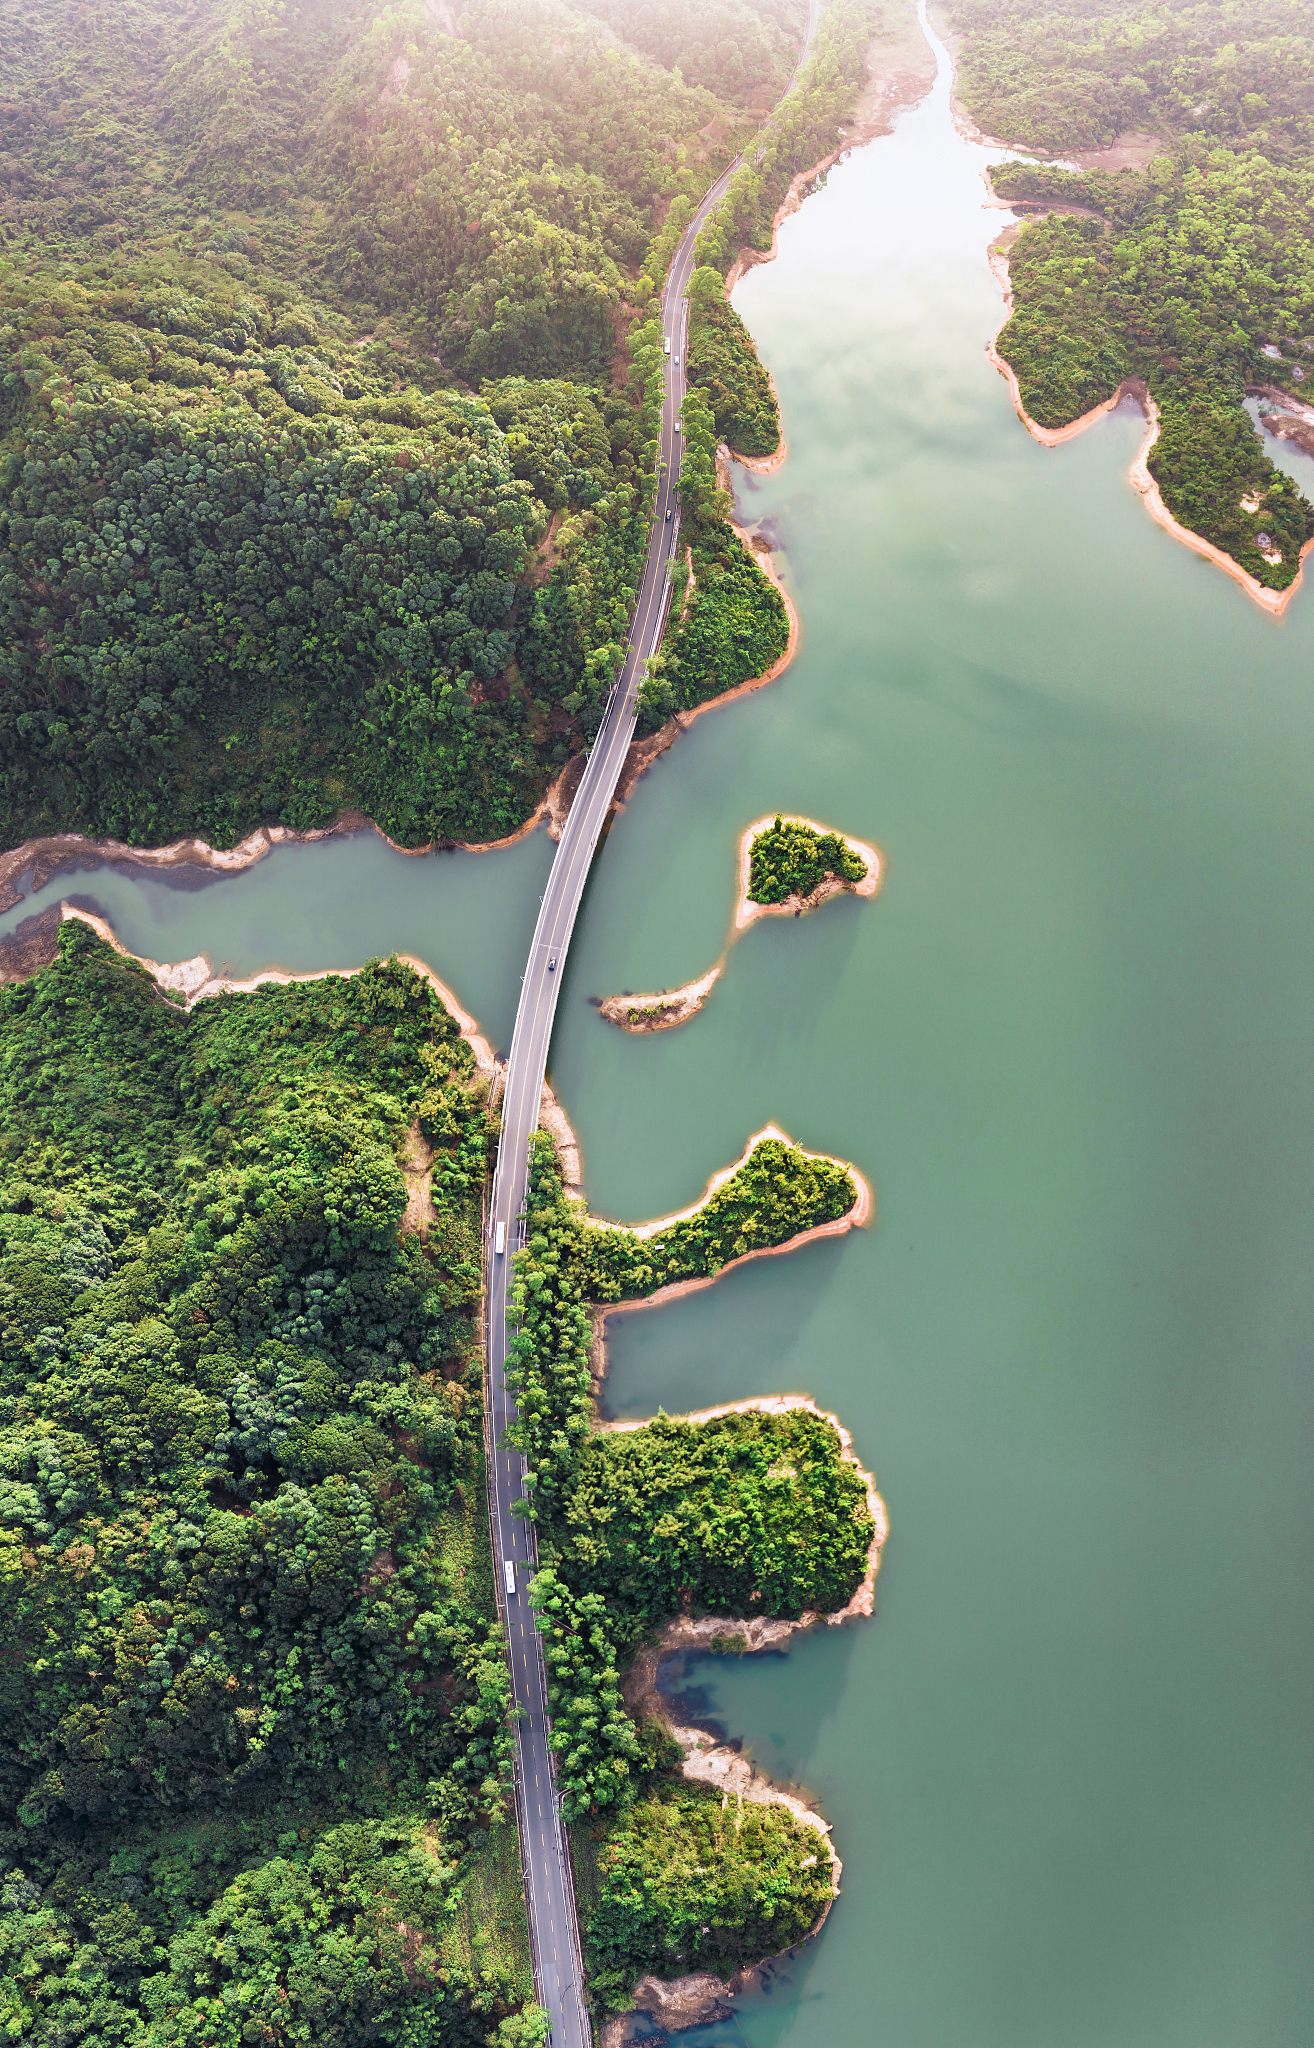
{"x": 554, "y": 1930}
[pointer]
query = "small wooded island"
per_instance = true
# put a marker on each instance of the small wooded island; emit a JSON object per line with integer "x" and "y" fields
{"x": 792, "y": 860}
{"x": 786, "y": 866}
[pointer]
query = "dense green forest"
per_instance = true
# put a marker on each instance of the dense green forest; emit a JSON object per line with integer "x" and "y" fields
{"x": 800, "y": 133}
{"x": 253, "y": 1698}
{"x": 326, "y": 442}
{"x": 329, "y": 380}
{"x": 1195, "y": 274}
{"x": 735, "y": 625}
{"x": 687, "y": 1882}
{"x": 724, "y": 364}
{"x": 789, "y": 858}
{"x": 744, "y": 1514}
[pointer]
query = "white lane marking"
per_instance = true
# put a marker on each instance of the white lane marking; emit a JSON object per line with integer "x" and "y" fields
{"x": 539, "y": 1015}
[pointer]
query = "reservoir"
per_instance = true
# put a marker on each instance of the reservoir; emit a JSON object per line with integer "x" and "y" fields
{"x": 1069, "y": 1761}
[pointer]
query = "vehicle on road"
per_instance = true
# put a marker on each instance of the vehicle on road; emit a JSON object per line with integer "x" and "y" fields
{"x": 499, "y": 1241}
{"x": 559, "y": 1971}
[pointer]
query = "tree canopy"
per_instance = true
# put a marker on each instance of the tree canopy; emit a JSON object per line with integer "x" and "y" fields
{"x": 325, "y": 450}
{"x": 253, "y": 1697}
{"x": 1195, "y": 274}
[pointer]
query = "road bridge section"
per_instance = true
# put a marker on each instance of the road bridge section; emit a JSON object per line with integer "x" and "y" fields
{"x": 554, "y": 1928}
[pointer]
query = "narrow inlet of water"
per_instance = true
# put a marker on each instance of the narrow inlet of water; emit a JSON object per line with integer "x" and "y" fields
{"x": 1069, "y": 1762}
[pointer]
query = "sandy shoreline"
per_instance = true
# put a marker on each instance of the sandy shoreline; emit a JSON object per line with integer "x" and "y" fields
{"x": 661, "y": 1011}
{"x": 65, "y": 852}
{"x": 696, "y": 1998}
{"x": 664, "y": 1010}
{"x": 1274, "y": 602}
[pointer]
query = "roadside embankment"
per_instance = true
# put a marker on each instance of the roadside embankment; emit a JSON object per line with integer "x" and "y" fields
{"x": 900, "y": 68}
{"x": 899, "y": 71}
{"x": 644, "y": 752}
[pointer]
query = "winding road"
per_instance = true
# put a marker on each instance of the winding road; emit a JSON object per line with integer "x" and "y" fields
{"x": 554, "y": 1926}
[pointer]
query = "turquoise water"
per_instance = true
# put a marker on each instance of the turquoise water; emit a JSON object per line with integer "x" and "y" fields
{"x": 334, "y": 904}
{"x": 1069, "y": 1762}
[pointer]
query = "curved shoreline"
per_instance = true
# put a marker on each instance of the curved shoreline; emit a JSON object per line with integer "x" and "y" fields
{"x": 189, "y": 982}
{"x": 643, "y": 1014}
{"x": 1274, "y": 602}
{"x": 644, "y": 752}
{"x": 764, "y": 558}
{"x": 760, "y": 1631}
{"x": 696, "y": 1997}
{"x": 903, "y": 86}
{"x": 855, "y": 1217}
{"x": 666, "y": 1010}
{"x": 747, "y": 912}
{"x": 762, "y": 465}
{"x": 65, "y": 852}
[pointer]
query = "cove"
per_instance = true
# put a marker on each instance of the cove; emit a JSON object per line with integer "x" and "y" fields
{"x": 333, "y": 903}
{"x": 1068, "y": 1762}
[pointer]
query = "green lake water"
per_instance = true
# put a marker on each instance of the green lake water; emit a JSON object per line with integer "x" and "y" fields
{"x": 1069, "y": 1762}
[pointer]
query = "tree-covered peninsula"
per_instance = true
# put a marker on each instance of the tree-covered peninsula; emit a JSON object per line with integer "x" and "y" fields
{"x": 733, "y": 625}
{"x": 254, "y": 1738}
{"x": 1195, "y": 273}
{"x": 327, "y": 399}
{"x": 746, "y": 1514}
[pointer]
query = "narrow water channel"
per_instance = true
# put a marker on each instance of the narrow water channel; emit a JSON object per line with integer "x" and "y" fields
{"x": 1069, "y": 1762}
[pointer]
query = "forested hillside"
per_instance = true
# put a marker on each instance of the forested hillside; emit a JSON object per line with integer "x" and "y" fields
{"x": 1196, "y": 273}
{"x": 747, "y": 1514}
{"x": 325, "y": 455}
{"x": 253, "y": 1697}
